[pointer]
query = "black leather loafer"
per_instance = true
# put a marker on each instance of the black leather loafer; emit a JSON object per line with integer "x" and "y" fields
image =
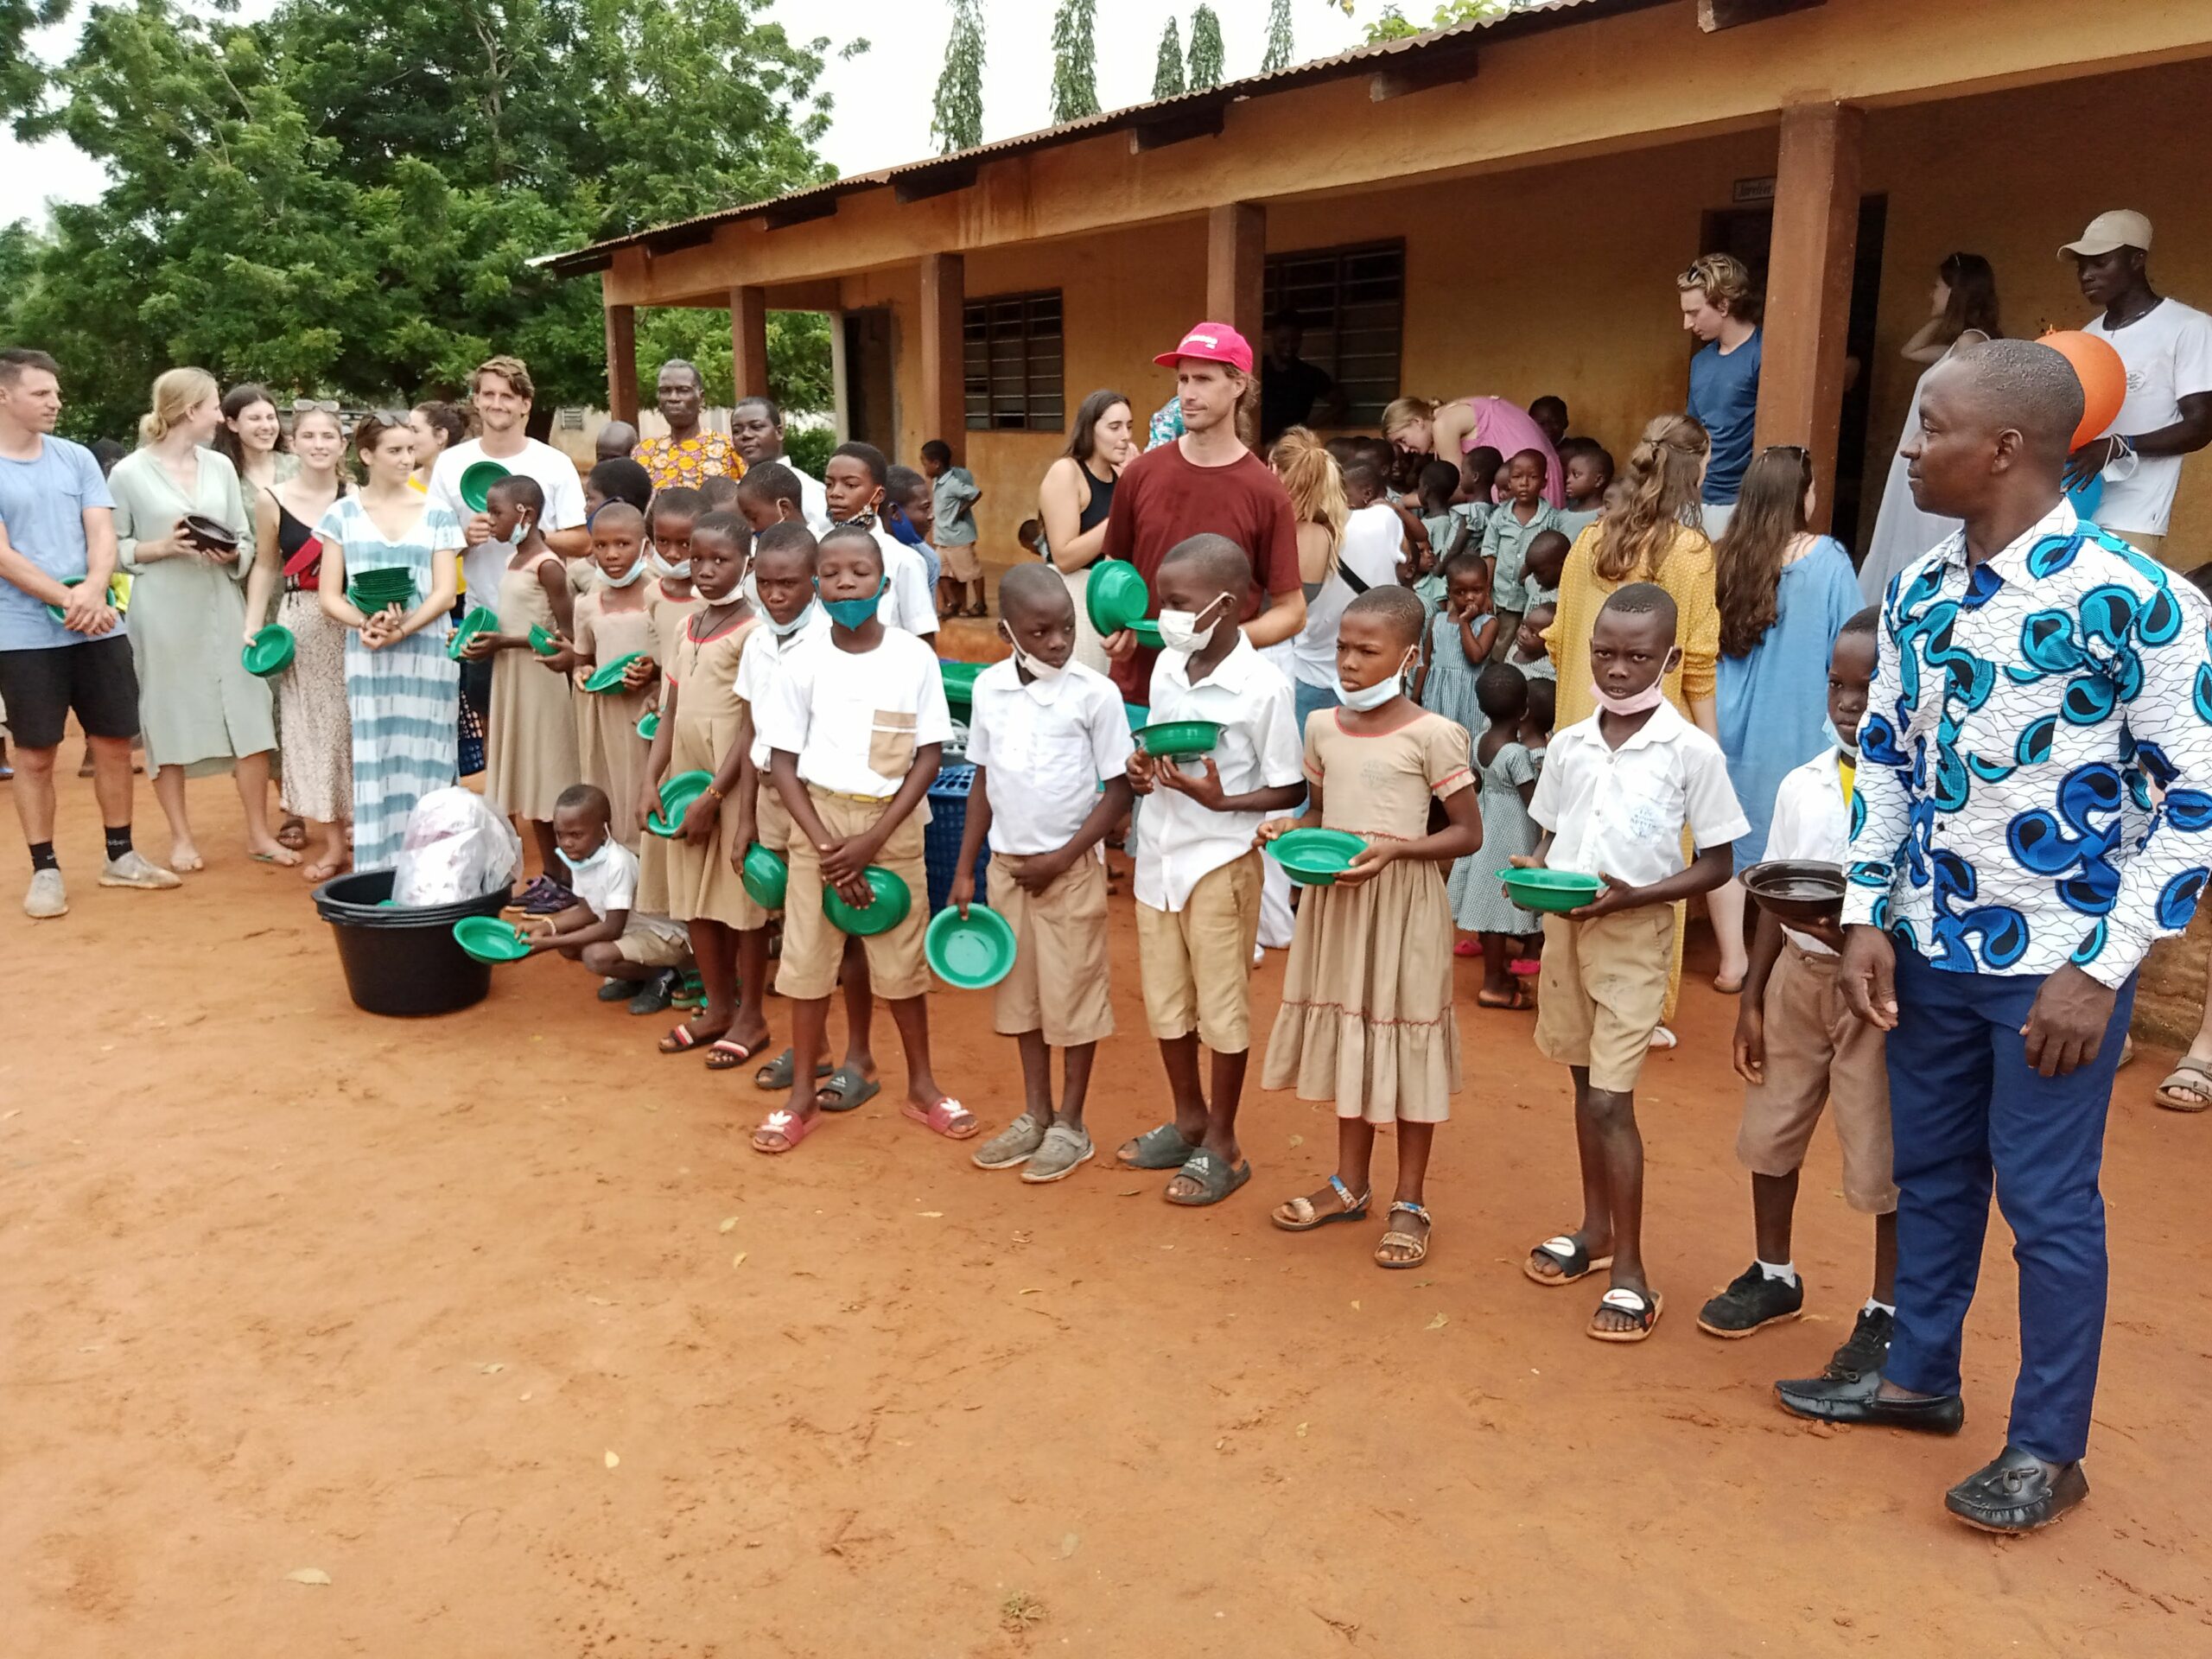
{"x": 2016, "y": 1493}
{"x": 1857, "y": 1400}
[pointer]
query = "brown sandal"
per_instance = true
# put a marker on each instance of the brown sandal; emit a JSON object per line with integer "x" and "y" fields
{"x": 2188, "y": 1087}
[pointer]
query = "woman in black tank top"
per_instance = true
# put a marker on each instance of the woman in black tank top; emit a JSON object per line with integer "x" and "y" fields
{"x": 1075, "y": 499}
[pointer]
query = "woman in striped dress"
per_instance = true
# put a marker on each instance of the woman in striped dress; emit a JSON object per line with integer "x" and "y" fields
{"x": 401, "y": 688}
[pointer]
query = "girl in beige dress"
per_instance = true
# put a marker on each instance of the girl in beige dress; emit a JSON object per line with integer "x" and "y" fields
{"x": 614, "y": 621}
{"x": 1366, "y": 1018}
{"x": 530, "y": 753}
{"x": 199, "y": 709}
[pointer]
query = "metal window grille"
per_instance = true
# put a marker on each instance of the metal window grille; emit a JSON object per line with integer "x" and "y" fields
{"x": 1352, "y": 302}
{"x": 1011, "y": 363}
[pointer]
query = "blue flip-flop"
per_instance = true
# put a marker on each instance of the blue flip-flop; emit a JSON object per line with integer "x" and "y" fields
{"x": 1216, "y": 1178}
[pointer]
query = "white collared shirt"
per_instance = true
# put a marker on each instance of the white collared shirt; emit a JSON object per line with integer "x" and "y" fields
{"x": 1811, "y": 822}
{"x": 1179, "y": 842}
{"x": 1045, "y": 747}
{"x": 608, "y": 882}
{"x": 762, "y": 665}
{"x": 1621, "y": 813}
{"x": 847, "y": 716}
{"x": 907, "y": 602}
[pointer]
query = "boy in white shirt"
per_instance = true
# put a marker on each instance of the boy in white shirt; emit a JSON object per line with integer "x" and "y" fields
{"x": 1197, "y": 867}
{"x": 1799, "y": 1045}
{"x": 854, "y": 724}
{"x": 855, "y": 480}
{"x": 1047, "y": 733}
{"x": 1617, "y": 790}
{"x": 637, "y": 955}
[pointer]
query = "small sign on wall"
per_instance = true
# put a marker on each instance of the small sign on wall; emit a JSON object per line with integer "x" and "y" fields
{"x": 1753, "y": 193}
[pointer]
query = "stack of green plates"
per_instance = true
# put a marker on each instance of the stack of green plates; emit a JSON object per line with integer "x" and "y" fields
{"x": 382, "y": 589}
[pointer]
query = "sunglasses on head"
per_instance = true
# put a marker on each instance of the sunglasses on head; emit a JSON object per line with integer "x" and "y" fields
{"x": 314, "y": 405}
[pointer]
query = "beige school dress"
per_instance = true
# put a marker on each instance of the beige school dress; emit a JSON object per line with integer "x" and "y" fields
{"x": 1366, "y": 1018}
{"x": 612, "y": 755}
{"x": 530, "y": 752}
{"x": 669, "y": 617}
{"x": 676, "y": 879}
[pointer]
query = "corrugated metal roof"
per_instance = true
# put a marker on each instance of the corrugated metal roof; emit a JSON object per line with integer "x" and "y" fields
{"x": 1537, "y": 17}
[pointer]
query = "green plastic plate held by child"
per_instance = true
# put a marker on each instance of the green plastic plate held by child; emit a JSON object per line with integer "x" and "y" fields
{"x": 1116, "y": 596}
{"x": 271, "y": 651}
{"x": 489, "y": 940}
{"x": 1557, "y": 891}
{"x": 1178, "y": 737}
{"x": 479, "y": 620}
{"x": 764, "y": 876}
{"x": 476, "y": 482}
{"x": 649, "y": 727}
{"x": 884, "y": 912}
{"x": 971, "y": 953}
{"x": 1315, "y": 858}
{"x": 675, "y": 797}
{"x": 55, "y": 611}
{"x": 542, "y": 641}
{"x": 607, "y": 677}
{"x": 1147, "y": 633}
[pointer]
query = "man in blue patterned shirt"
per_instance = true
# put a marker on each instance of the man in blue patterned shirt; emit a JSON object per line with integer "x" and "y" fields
{"x": 2036, "y": 774}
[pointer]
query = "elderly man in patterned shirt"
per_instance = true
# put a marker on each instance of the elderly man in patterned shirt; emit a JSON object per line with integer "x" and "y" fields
{"x": 2035, "y": 767}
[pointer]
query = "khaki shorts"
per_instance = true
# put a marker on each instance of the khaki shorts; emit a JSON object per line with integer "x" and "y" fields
{"x": 1602, "y": 991}
{"x": 961, "y": 563}
{"x": 1196, "y": 961}
{"x": 1060, "y": 942}
{"x": 1817, "y": 1052}
{"x": 812, "y": 944}
{"x": 772, "y": 819}
{"x": 649, "y": 948}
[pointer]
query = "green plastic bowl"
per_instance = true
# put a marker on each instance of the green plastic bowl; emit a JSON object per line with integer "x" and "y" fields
{"x": 1556, "y": 891}
{"x": 607, "y": 677}
{"x": 489, "y": 940}
{"x": 1315, "y": 858}
{"x": 675, "y": 797}
{"x": 476, "y": 482}
{"x": 1172, "y": 738}
{"x": 1116, "y": 596}
{"x": 1147, "y": 633}
{"x": 542, "y": 641}
{"x": 764, "y": 876}
{"x": 55, "y": 611}
{"x": 649, "y": 727}
{"x": 960, "y": 681}
{"x": 891, "y": 902}
{"x": 971, "y": 953}
{"x": 479, "y": 620}
{"x": 270, "y": 652}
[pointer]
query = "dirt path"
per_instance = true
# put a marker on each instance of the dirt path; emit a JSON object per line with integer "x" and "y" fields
{"x": 285, "y": 1288}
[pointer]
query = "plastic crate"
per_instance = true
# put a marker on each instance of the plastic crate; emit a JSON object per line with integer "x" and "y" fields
{"x": 948, "y": 823}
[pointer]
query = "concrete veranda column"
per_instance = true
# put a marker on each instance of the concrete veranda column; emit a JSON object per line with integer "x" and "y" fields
{"x": 749, "y": 340}
{"x": 622, "y": 363}
{"x": 1236, "y": 256}
{"x": 1808, "y": 285}
{"x": 944, "y": 394}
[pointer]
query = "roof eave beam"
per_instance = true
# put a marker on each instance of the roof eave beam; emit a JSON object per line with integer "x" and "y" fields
{"x": 1422, "y": 72}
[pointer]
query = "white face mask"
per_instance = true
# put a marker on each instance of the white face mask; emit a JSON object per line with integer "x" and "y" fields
{"x": 519, "y": 534}
{"x": 1375, "y": 696}
{"x": 585, "y": 863}
{"x": 1179, "y": 631}
{"x": 782, "y": 630}
{"x": 628, "y": 578}
{"x": 1036, "y": 667}
{"x": 666, "y": 571}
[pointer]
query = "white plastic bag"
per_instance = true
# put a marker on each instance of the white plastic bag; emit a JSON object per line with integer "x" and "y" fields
{"x": 456, "y": 847}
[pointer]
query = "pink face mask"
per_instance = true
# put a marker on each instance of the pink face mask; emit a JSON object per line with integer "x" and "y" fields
{"x": 1642, "y": 703}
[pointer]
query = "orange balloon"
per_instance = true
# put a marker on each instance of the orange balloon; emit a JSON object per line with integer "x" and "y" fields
{"x": 2102, "y": 375}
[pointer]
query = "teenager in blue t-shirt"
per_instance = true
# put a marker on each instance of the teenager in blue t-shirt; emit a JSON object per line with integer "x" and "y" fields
{"x": 1720, "y": 309}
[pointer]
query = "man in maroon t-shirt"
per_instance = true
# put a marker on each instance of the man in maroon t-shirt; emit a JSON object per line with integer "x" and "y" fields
{"x": 1206, "y": 480}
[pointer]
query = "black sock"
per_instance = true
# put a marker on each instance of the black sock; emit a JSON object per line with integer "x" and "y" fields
{"x": 43, "y": 856}
{"x": 118, "y": 841}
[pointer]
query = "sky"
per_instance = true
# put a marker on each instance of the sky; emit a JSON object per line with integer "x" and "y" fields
{"x": 881, "y": 99}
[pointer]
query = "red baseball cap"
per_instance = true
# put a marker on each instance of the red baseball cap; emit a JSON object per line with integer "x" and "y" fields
{"x": 1212, "y": 342}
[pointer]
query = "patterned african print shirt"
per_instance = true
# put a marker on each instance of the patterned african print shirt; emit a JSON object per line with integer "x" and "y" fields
{"x": 2004, "y": 820}
{"x": 691, "y": 462}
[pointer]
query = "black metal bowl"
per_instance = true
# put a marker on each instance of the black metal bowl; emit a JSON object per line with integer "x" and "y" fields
{"x": 1797, "y": 890}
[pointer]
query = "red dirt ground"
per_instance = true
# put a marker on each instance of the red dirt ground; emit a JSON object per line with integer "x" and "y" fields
{"x": 285, "y": 1288}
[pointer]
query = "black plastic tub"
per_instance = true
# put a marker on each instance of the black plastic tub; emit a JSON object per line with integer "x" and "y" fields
{"x": 404, "y": 961}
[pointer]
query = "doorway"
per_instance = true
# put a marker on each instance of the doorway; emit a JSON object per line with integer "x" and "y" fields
{"x": 870, "y": 414}
{"x": 1747, "y": 232}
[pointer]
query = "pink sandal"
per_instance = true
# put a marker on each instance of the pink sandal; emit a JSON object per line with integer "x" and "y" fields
{"x": 1469, "y": 946}
{"x": 790, "y": 1125}
{"x": 948, "y": 1118}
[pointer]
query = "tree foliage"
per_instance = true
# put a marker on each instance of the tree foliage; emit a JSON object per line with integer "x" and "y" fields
{"x": 1206, "y": 66}
{"x": 1281, "y": 50}
{"x": 22, "y": 76}
{"x": 1075, "y": 60}
{"x": 345, "y": 197}
{"x": 958, "y": 121}
{"x": 1394, "y": 25}
{"x": 1168, "y": 73}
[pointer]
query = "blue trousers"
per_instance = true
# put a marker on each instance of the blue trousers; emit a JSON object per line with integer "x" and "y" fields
{"x": 1966, "y": 1107}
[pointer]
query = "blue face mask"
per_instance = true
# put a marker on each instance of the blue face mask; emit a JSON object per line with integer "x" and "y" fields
{"x": 903, "y": 528}
{"x": 851, "y": 613}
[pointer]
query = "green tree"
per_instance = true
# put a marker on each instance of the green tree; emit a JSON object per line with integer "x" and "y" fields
{"x": 1168, "y": 73}
{"x": 1075, "y": 61}
{"x": 1280, "y": 49}
{"x": 23, "y": 78}
{"x": 958, "y": 123}
{"x": 1394, "y": 25}
{"x": 1206, "y": 66}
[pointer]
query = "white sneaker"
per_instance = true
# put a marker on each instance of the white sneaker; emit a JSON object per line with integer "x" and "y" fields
{"x": 45, "y": 899}
{"x": 134, "y": 870}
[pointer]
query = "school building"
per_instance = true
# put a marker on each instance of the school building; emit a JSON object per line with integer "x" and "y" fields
{"x": 1499, "y": 207}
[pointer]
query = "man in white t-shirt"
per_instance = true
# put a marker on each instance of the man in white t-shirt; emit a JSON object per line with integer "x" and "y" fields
{"x": 502, "y": 393}
{"x": 2167, "y": 347}
{"x": 756, "y": 427}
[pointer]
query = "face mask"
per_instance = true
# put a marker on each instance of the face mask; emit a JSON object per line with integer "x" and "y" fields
{"x": 865, "y": 519}
{"x": 1849, "y": 745}
{"x": 1179, "y": 631}
{"x": 666, "y": 571}
{"x": 785, "y": 630}
{"x": 851, "y": 613}
{"x": 581, "y": 864}
{"x": 1375, "y": 696}
{"x": 519, "y": 534}
{"x": 903, "y": 528}
{"x": 1642, "y": 703}
{"x": 629, "y": 578}
{"x": 1036, "y": 667}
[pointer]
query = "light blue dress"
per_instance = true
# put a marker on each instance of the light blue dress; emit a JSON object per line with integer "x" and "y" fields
{"x": 1449, "y": 688}
{"x": 404, "y": 700}
{"x": 1774, "y": 702}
